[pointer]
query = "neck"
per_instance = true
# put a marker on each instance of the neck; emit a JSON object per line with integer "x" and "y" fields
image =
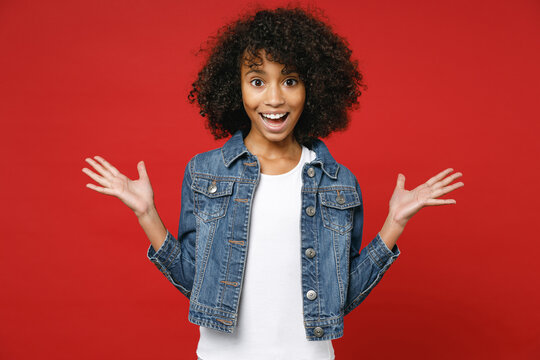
{"x": 260, "y": 146}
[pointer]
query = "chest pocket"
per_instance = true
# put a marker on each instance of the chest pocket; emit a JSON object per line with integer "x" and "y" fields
{"x": 337, "y": 207}
{"x": 211, "y": 197}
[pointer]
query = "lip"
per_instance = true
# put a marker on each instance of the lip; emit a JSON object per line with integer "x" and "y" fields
{"x": 274, "y": 127}
{"x": 273, "y": 112}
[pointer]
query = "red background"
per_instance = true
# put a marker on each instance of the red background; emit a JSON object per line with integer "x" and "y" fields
{"x": 451, "y": 84}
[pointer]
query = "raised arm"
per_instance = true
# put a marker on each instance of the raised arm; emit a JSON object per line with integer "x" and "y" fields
{"x": 136, "y": 194}
{"x": 175, "y": 258}
{"x": 405, "y": 203}
{"x": 368, "y": 266}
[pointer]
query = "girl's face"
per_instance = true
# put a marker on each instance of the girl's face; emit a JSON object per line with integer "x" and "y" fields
{"x": 273, "y": 100}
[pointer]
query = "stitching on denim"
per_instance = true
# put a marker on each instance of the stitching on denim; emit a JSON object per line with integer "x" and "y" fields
{"x": 353, "y": 203}
{"x": 333, "y": 188}
{"x": 179, "y": 286}
{"x": 226, "y": 322}
{"x": 239, "y": 242}
{"x": 172, "y": 255}
{"x": 187, "y": 259}
{"x": 366, "y": 292}
{"x": 246, "y": 231}
{"x": 372, "y": 285}
{"x": 374, "y": 256}
{"x": 327, "y": 337}
{"x": 195, "y": 320}
{"x": 316, "y": 237}
{"x": 206, "y": 255}
{"x": 227, "y": 187}
{"x": 338, "y": 272}
{"x": 334, "y": 320}
{"x": 197, "y": 239}
{"x": 355, "y": 303}
{"x": 223, "y": 178}
{"x": 222, "y": 201}
{"x": 232, "y": 283}
{"x": 211, "y": 310}
{"x": 358, "y": 267}
{"x": 223, "y": 288}
{"x": 241, "y": 200}
{"x": 347, "y": 229}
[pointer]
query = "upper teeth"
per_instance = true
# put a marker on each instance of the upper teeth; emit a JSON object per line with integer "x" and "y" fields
{"x": 274, "y": 116}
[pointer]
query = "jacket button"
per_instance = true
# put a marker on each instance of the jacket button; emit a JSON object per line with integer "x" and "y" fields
{"x": 318, "y": 331}
{"x": 340, "y": 199}
{"x": 310, "y": 210}
{"x": 311, "y": 295}
{"x": 310, "y": 172}
{"x": 212, "y": 188}
{"x": 310, "y": 253}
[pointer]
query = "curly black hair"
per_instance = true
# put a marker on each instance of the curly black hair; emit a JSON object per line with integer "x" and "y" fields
{"x": 299, "y": 40}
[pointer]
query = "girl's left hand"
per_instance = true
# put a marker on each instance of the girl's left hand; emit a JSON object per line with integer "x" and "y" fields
{"x": 405, "y": 203}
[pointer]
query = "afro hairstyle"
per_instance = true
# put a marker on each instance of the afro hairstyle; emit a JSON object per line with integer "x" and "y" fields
{"x": 303, "y": 43}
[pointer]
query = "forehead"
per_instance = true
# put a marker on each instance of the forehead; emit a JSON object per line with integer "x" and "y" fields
{"x": 259, "y": 59}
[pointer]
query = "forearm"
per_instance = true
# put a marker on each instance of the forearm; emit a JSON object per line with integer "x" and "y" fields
{"x": 390, "y": 231}
{"x": 153, "y": 227}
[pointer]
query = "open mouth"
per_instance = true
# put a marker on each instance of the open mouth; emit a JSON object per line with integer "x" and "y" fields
{"x": 274, "y": 121}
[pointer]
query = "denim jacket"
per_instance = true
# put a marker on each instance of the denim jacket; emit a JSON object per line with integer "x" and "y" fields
{"x": 207, "y": 260}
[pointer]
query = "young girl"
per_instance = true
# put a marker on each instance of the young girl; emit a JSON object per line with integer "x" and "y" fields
{"x": 268, "y": 246}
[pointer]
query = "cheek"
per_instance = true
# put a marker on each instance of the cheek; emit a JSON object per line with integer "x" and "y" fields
{"x": 249, "y": 99}
{"x": 299, "y": 99}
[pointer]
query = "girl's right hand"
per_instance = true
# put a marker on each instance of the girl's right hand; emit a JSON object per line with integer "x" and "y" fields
{"x": 136, "y": 194}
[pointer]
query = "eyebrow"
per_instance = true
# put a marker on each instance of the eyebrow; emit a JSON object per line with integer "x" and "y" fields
{"x": 283, "y": 72}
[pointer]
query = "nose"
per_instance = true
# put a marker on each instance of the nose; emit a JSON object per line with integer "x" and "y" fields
{"x": 274, "y": 96}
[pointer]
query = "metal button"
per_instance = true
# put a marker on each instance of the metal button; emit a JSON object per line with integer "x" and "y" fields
{"x": 311, "y": 295}
{"x": 310, "y": 210}
{"x": 340, "y": 199}
{"x": 310, "y": 253}
{"x": 311, "y": 172}
{"x": 318, "y": 331}
{"x": 212, "y": 188}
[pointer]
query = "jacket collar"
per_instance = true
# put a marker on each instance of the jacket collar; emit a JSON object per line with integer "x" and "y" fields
{"x": 235, "y": 147}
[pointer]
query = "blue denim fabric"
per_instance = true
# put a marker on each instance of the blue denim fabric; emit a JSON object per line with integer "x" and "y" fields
{"x": 207, "y": 261}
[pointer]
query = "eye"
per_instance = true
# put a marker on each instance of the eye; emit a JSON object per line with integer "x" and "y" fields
{"x": 256, "y": 82}
{"x": 291, "y": 82}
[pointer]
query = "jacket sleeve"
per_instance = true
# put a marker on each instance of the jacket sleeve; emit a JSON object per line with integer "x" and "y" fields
{"x": 366, "y": 267}
{"x": 176, "y": 258}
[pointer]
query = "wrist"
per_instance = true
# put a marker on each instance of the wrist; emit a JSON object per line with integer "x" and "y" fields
{"x": 391, "y": 231}
{"x": 395, "y": 221}
{"x": 147, "y": 214}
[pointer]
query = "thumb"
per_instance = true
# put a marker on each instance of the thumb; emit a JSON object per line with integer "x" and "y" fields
{"x": 142, "y": 170}
{"x": 400, "y": 184}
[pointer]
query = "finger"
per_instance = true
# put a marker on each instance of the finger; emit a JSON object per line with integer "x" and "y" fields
{"x": 437, "y": 202}
{"x": 99, "y": 168}
{"x": 439, "y": 176}
{"x": 142, "y": 170}
{"x": 448, "y": 180}
{"x": 100, "y": 189}
{"x": 107, "y": 165}
{"x": 100, "y": 180}
{"x": 446, "y": 189}
{"x": 400, "y": 184}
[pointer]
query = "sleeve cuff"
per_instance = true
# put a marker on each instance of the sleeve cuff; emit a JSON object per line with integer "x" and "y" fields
{"x": 380, "y": 254}
{"x": 165, "y": 253}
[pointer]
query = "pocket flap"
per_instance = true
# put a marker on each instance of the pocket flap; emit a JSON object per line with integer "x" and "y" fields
{"x": 212, "y": 187}
{"x": 340, "y": 199}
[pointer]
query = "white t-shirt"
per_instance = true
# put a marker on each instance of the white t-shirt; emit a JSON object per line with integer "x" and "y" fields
{"x": 270, "y": 317}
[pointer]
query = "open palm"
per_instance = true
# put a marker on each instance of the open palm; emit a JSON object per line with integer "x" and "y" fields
{"x": 136, "y": 194}
{"x": 405, "y": 203}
